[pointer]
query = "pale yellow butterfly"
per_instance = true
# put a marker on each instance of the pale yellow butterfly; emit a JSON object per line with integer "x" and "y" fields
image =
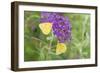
{"x": 45, "y": 27}
{"x": 61, "y": 48}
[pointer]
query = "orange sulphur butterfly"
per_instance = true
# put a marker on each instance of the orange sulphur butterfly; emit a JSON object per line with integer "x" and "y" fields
{"x": 61, "y": 48}
{"x": 45, "y": 27}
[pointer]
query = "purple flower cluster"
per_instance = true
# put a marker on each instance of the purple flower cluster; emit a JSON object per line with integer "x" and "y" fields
{"x": 61, "y": 25}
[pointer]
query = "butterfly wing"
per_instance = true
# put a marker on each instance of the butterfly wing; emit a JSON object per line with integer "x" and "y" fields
{"x": 45, "y": 27}
{"x": 61, "y": 48}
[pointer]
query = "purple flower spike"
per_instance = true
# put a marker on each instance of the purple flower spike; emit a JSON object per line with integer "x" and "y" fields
{"x": 61, "y": 25}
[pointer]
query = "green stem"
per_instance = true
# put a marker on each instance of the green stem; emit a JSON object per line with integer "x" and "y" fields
{"x": 49, "y": 47}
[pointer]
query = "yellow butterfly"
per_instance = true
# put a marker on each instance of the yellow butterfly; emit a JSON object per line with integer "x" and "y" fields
{"x": 61, "y": 48}
{"x": 45, "y": 27}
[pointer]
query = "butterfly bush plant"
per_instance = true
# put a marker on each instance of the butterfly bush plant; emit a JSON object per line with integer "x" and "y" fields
{"x": 60, "y": 26}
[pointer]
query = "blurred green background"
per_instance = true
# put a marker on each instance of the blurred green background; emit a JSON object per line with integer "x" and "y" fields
{"x": 36, "y": 44}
